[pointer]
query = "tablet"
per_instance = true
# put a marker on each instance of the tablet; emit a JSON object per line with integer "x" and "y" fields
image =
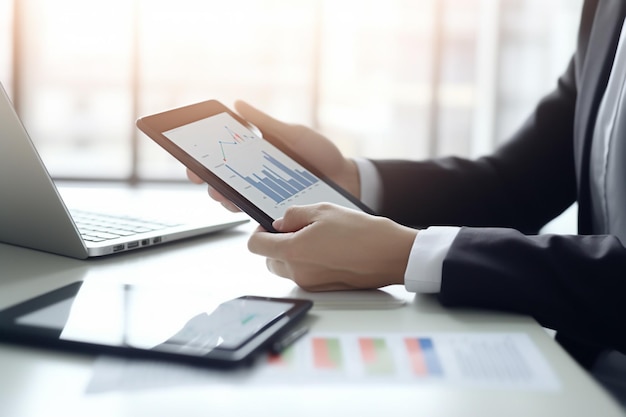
{"x": 251, "y": 171}
{"x": 152, "y": 322}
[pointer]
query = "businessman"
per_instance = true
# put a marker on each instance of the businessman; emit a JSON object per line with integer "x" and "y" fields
{"x": 466, "y": 229}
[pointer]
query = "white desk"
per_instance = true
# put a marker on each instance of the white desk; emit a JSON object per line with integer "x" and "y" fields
{"x": 35, "y": 382}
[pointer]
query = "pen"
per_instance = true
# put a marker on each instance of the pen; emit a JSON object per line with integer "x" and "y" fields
{"x": 282, "y": 344}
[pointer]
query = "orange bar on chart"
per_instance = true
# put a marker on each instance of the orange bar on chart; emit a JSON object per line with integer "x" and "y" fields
{"x": 416, "y": 357}
{"x": 423, "y": 356}
{"x": 283, "y": 359}
{"x": 376, "y": 356}
{"x": 326, "y": 353}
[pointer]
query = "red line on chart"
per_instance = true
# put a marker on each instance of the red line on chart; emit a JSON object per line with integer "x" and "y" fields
{"x": 237, "y": 139}
{"x": 234, "y": 135}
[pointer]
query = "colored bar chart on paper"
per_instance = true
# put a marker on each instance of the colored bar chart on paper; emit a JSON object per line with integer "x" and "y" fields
{"x": 423, "y": 356}
{"x": 326, "y": 353}
{"x": 484, "y": 360}
{"x": 284, "y": 359}
{"x": 376, "y": 356}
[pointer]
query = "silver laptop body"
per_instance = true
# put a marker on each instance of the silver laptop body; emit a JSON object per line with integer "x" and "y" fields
{"x": 33, "y": 214}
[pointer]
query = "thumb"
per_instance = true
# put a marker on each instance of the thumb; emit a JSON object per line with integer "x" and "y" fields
{"x": 272, "y": 128}
{"x": 295, "y": 218}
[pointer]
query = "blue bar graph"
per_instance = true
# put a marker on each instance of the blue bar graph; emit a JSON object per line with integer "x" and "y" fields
{"x": 430, "y": 356}
{"x": 303, "y": 177}
{"x": 278, "y": 181}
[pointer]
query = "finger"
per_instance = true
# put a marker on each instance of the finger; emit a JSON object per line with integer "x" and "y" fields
{"x": 193, "y": 177}
{"x": 270, "y": 245}
{"x": 277, "y": 267}
{"x": 283, "y": 270}
{"x": 231, "y": 207}
{"x": 296, "y": 218}
{"x": 270, "y": 126}
{"x": 217, "y": 196}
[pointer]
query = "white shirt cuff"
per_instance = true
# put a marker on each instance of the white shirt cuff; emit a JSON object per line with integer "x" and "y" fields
{"x": 371, "y": 183}
{"x": 423, "y": 271}
{"x": 425, "y": 265}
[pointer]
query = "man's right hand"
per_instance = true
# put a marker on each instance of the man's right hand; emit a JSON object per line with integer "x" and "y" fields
{"x": 314, "y": 148}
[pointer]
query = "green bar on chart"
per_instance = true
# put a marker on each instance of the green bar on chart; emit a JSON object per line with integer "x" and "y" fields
{"x": 327, "y": 353}
{"x": 285, "y": 359}
{"x": 376, "y": 356}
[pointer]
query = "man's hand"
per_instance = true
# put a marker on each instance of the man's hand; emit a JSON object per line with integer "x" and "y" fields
{"x": 324, "y": 247}
{"x": 316, "y": 149}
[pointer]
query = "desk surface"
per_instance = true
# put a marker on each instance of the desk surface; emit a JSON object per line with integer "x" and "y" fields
{"x": 35, "y": 382}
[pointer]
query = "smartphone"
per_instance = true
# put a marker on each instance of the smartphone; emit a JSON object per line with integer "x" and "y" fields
{"x": 253, "y": 172}
{"x": 152, "y": 322}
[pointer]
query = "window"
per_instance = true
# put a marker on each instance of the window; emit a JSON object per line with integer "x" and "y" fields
{"x": 6, "y": 28}
{"x": 382, "y": 78}
{"x": 262, "y": 51}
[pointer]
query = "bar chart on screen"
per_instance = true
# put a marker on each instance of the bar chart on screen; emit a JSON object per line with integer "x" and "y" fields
{"x": 259, "y": 171}
{"x": 276, "y": 180}
{"x": 244, "y": 157}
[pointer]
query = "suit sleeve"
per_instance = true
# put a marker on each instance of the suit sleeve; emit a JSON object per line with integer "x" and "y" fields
{"x": 528, "y": 181}
{"x": 574, "y": 284}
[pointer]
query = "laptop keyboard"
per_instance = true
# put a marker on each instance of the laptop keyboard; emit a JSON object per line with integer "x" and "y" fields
{"x": 98, "y": 227}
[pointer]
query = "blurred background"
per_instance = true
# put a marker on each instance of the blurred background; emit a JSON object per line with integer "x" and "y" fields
{"x": 382, "y": 78}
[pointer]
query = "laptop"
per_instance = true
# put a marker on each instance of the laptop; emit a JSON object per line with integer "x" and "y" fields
{"x": 33, "y": 213}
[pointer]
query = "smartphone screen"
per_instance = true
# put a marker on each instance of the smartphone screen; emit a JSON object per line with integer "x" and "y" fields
{"x": 254, "y": 167}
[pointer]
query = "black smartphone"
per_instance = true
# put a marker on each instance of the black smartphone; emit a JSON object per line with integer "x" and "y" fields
{"x": 251, "y": 171}
{"x": 152, "y": 322}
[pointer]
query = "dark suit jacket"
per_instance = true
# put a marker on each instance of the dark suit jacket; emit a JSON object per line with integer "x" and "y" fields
{"x": 574, "y": 284}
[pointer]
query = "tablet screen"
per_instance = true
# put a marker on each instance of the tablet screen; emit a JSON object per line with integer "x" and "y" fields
{"x": 251, "y": 165}
{"x": 162, "y": 319}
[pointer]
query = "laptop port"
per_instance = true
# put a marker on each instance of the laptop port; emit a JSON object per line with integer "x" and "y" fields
{"x": 157, "y": 240}
{"x": 145, "y": 242}
{"x": 118, "y": 248}
{"x": 133, "y": 245}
